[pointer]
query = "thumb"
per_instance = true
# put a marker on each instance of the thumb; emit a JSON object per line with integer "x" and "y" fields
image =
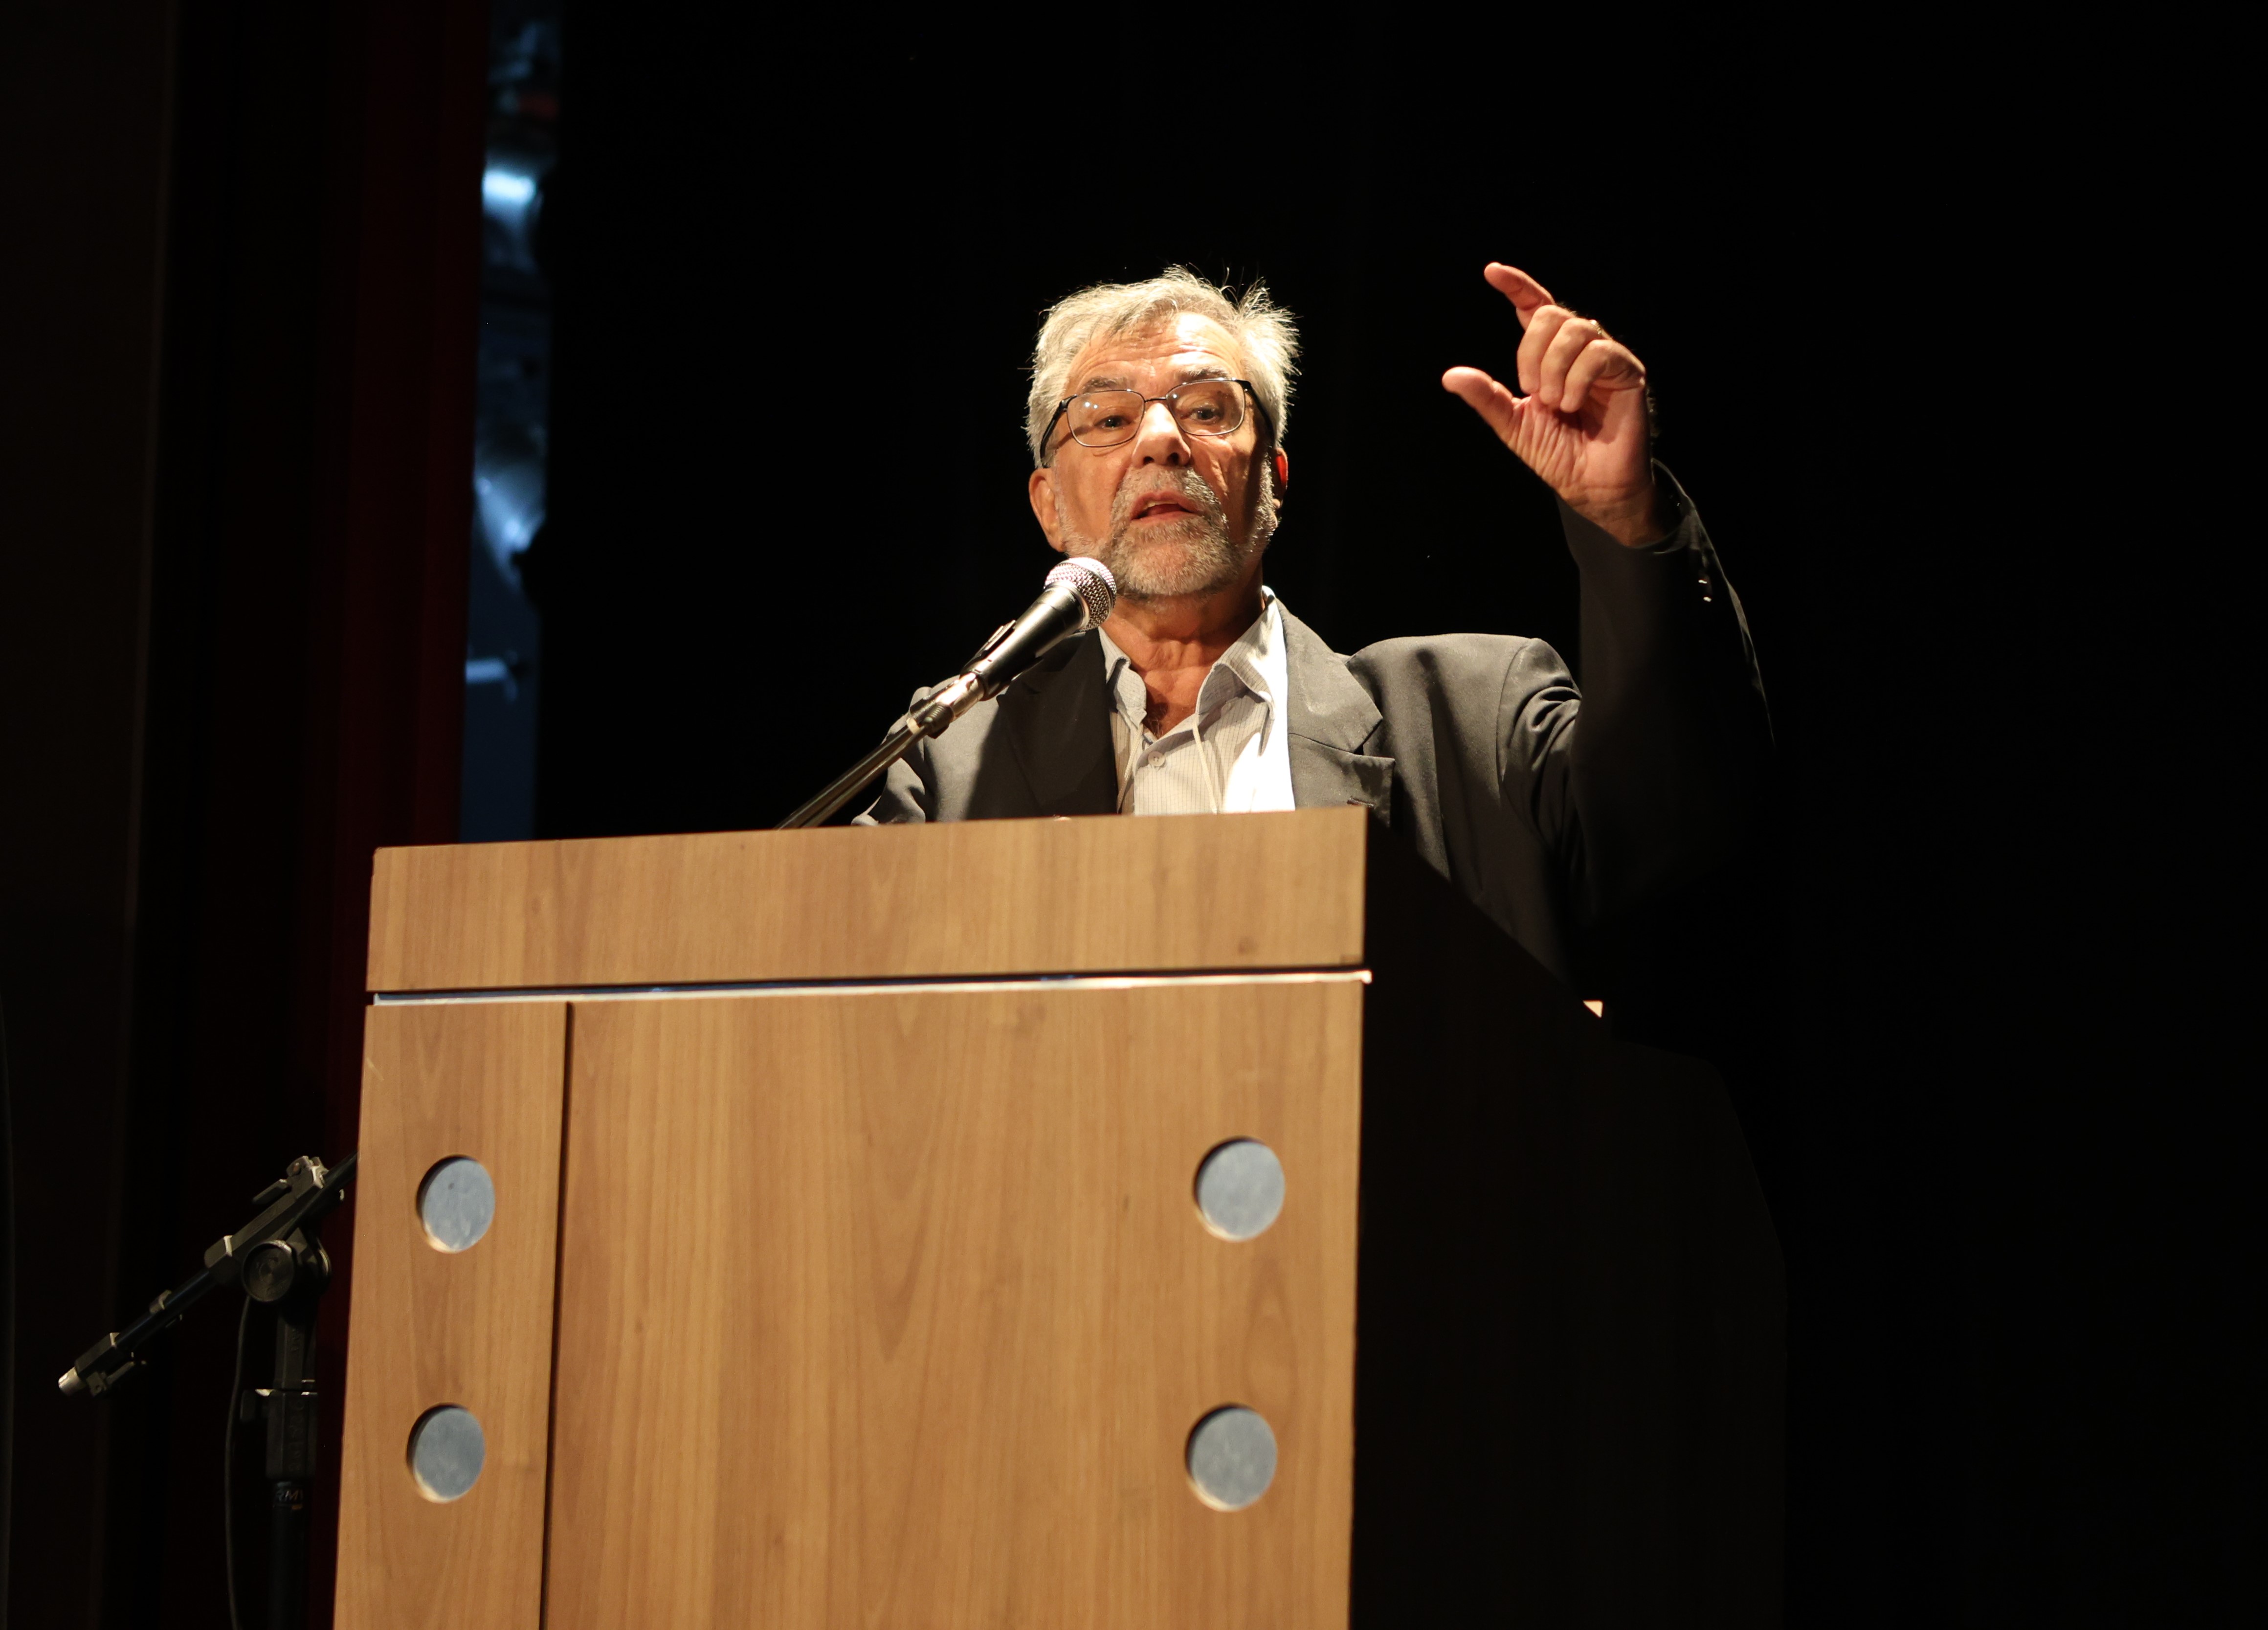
{"x": 1484, "y": 396}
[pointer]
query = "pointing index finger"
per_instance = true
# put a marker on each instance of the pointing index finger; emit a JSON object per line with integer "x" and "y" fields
{"x": 1528, "y": 296}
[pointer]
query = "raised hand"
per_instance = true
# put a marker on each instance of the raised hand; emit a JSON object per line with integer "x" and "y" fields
{"x": 1580, "y": 421}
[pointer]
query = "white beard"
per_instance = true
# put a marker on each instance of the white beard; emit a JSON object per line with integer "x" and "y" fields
{"x": 1192, "y": 557}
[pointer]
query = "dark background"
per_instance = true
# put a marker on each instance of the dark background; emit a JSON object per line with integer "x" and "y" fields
{"x": 1914, "y": 317}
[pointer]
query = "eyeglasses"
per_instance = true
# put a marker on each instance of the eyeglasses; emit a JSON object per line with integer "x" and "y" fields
{"x": 1106, "y": 418}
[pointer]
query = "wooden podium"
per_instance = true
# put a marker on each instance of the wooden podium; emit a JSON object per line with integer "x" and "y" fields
{"x": 846, "y": 1269}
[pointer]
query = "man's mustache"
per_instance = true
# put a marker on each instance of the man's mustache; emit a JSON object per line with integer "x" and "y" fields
{"x": 1138, "y": 489}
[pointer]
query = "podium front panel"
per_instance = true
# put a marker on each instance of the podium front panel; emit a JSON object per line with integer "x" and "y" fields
{"x": 470, "y": 1329}
{"x": 896, "y": 1307}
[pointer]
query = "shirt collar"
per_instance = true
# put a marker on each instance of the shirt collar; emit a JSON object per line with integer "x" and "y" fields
{"x": 1256, "y": 661}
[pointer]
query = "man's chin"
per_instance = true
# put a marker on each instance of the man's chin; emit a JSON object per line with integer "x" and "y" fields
{"x": 1152, "y": 579}
{"x": 1166, "y": 568}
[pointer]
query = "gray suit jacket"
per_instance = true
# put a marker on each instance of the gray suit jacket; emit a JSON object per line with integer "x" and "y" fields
{"x": 1555, "y": 812}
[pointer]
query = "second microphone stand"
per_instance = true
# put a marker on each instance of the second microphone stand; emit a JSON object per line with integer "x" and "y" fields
{"x": 277, "y": 1259}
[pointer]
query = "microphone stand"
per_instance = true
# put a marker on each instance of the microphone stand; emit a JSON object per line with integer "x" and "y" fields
{"x": 1077, "y": 596}
{"x": 277, "y": 1259}
{"x": 845, "y": 786}
{"x": 927, "y": 717}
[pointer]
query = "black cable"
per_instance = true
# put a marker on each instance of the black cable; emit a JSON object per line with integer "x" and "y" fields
{"x": 7, "y": 1311}
{"x": 228, "y": 1471}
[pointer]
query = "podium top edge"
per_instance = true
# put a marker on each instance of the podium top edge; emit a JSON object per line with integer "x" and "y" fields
{"x": 1044, "y": 983}
{"x": 1094, "y": 895}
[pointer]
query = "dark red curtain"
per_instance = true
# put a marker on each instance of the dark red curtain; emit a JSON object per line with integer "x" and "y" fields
{"x": 284, "y": 509}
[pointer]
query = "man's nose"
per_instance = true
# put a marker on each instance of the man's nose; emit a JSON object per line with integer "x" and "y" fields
{"x": 1160, "y": 440}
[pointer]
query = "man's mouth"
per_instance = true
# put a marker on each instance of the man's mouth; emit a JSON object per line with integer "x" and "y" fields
{"x": 1161, "y": 505}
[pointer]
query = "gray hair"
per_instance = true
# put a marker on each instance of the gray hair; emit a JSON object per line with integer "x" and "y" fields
{"x": 1263, "y": 330}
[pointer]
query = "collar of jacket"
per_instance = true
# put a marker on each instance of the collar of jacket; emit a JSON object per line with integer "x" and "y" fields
{"x": 1059, "y": 730}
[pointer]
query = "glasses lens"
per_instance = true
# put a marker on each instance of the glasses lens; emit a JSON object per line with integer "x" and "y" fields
{"x": 1104, "y": 418}
{"x": 1210, "y": 407}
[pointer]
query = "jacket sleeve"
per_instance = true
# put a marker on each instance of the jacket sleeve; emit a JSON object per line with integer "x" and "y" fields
{"x": 1660, "y": 767}
{"x": 904, "y": 795}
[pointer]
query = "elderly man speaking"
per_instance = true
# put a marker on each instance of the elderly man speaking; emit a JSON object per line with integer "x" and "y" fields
{"x": 1156, "y": 423}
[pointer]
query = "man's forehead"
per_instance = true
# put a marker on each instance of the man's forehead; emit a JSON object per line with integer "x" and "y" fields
{"x": 1187, "y": 346}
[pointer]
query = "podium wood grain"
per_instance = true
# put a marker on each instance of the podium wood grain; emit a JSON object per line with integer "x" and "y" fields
{"x": 959, "y": 900}
{"x": 896, "y": 1309}
{"x": 888, "y": 1305}
{"x": 473, "y": 1329}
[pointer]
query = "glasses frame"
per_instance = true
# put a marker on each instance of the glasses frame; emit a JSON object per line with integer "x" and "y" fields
{"x": 1047, "y": 454}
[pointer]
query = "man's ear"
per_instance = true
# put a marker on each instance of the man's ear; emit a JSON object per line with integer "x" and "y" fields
{"x": 1042, "y": 489}
{"x": 1283, "y": 472}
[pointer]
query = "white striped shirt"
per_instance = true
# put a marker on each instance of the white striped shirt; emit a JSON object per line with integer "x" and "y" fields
{"x": 1230, "y": 755}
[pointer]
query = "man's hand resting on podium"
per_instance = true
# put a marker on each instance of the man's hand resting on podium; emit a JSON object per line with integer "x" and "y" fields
{"x": 1581, "y": 421}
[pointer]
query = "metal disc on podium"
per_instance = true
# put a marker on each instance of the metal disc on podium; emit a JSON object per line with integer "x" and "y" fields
{"x": 1240, "y": 1189}
{"x": 456, "y": 1203}
{"x": 1231, "y": 1457}
{"x": 448, "y": 1449}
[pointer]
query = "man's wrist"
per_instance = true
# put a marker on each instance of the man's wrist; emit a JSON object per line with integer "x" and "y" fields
{"x": 1641, "y": 521}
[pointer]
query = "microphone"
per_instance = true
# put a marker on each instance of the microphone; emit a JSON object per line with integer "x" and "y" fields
{"x": 1077, "y": 596}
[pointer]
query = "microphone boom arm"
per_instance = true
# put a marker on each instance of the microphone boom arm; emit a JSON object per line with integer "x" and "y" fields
{"x": 1077, "y": 596}
{"x": 301, "y": 1197}
{"x": 845, "y": 786}
{"x": 948, "y": 702}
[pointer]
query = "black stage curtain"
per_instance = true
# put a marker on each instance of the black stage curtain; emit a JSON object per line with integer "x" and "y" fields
{"x": 1898, "y": 304}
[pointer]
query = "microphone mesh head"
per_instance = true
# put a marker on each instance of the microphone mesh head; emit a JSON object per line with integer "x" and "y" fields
{"x": 1091, "y": 580}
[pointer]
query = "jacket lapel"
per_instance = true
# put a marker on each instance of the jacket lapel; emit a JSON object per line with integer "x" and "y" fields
{"x": 1059, "y": 728}
{"x": 1057, "y": 717}
{"x": 1331, "y": 719}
